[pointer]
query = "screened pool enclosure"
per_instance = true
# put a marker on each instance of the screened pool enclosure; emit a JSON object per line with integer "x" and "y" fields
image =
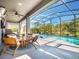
{"x": 60, "y": 18}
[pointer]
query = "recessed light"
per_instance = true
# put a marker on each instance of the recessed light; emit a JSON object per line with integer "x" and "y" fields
{"x": 19, "y": 4}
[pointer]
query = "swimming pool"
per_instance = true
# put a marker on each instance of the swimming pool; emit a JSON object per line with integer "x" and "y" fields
{"x": 72, "y": 40}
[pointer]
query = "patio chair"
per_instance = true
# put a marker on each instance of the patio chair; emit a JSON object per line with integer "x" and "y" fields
{"x": 35, "y": 40}
{"x": 32, "y": 41}
{"x": 9, "y": 42}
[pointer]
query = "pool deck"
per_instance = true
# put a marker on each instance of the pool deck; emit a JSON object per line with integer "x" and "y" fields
{"x": 54, "y": 49}
{"x": 60, "y": 44}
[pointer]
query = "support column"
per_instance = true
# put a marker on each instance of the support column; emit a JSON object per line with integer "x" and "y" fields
{"x": 27, "y": 25}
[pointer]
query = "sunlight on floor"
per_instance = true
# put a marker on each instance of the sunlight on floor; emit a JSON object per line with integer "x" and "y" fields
{"x": 69, "y": 48}
{"x": 42, "y": 50}
{"x": 23, "y": 57}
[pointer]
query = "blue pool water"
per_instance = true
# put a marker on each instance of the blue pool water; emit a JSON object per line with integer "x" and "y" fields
{"x": 72, "y": 40}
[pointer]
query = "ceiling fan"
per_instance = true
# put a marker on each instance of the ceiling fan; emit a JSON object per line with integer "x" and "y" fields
{"x": 16, "y": 13}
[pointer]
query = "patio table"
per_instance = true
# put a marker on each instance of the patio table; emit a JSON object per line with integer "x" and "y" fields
{"x": 24, "y": 42}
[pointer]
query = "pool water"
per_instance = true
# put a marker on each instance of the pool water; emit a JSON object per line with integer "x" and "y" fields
{"x": 72, "y": 40}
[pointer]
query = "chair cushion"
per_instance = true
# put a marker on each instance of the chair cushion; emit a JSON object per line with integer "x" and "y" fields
{"x": 9, "y": 41}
